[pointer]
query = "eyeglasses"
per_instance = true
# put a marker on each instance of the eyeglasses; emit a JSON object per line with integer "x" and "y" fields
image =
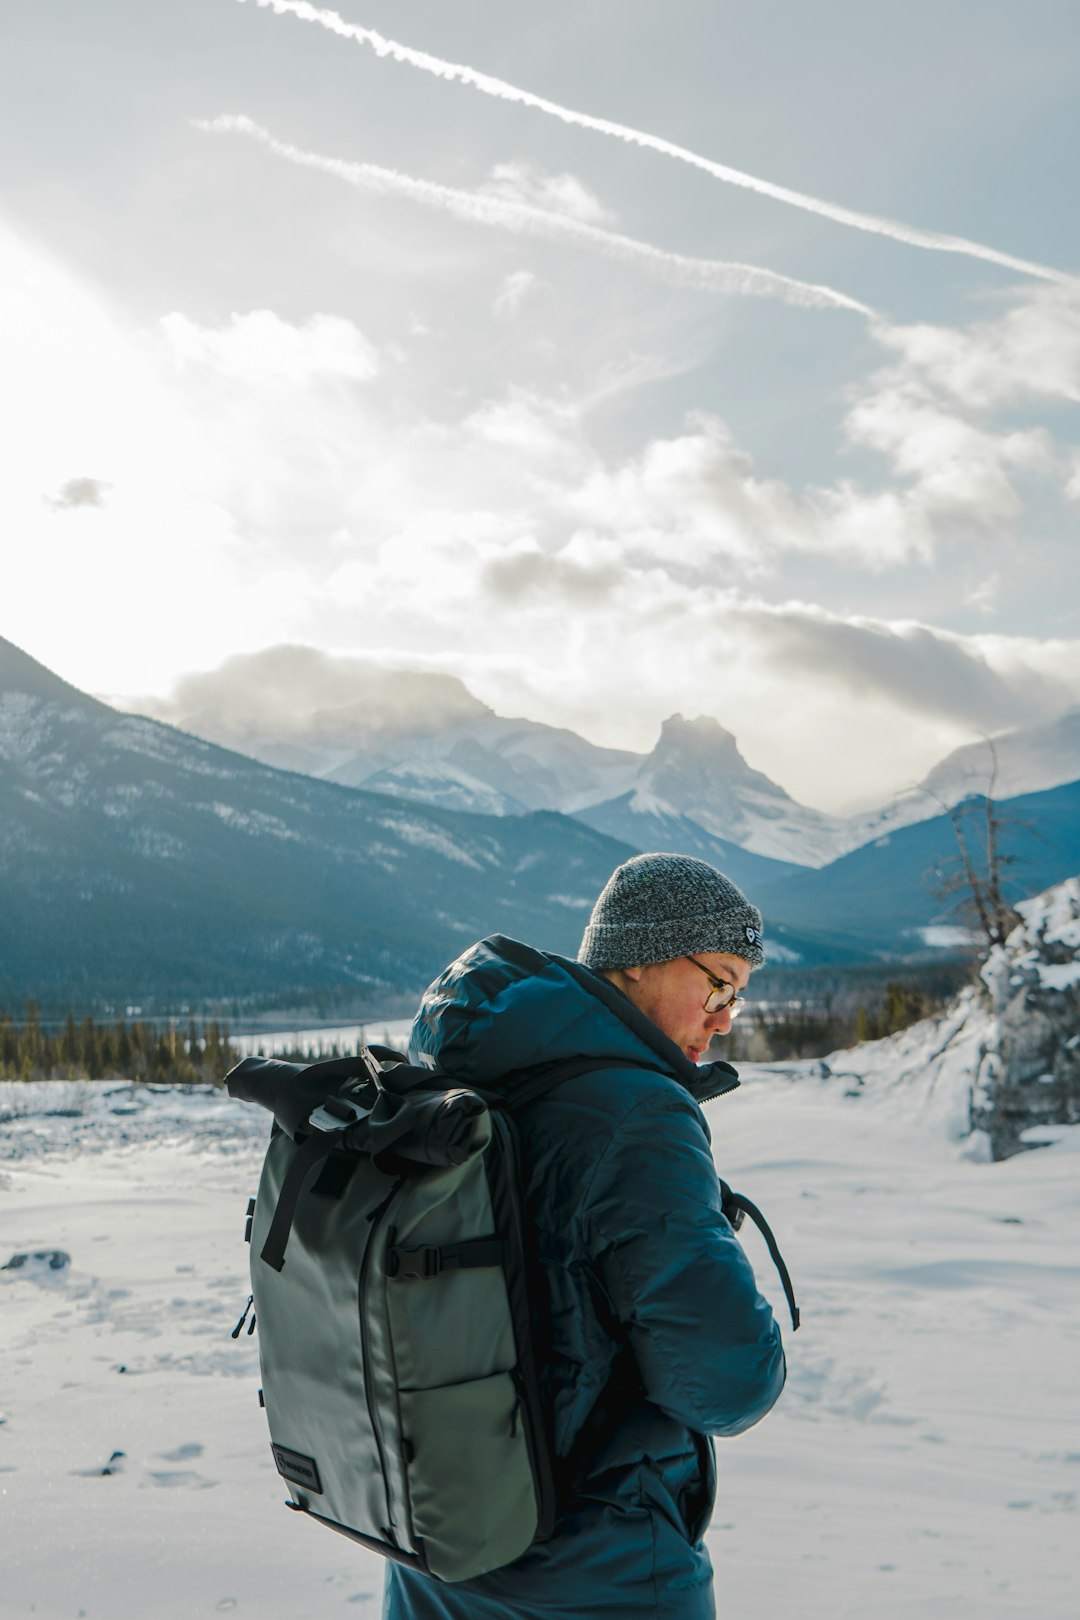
{"x": 722, "y": 993}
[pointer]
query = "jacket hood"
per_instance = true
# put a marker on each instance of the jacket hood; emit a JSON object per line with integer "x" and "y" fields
{"x": 503, "y": 1006}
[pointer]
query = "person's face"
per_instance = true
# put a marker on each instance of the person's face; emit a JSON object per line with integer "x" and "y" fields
{"x": 673, "y": 993}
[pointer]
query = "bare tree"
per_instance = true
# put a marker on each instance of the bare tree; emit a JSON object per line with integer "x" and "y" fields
{"x": 982, "y": 891}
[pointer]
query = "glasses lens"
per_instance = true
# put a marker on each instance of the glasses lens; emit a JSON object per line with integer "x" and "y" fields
{"x": 717, "y": 1000}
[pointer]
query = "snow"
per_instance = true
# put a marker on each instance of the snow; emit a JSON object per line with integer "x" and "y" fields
{"x": 945, "y": 937}
{"x": 1052, "y": 917}
{"x": 922, "y": 1461}
{"x": 1049, "y": 928}
{"x": 423, "y": 837}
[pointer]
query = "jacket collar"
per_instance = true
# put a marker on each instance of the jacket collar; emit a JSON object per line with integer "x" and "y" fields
{"x": 703, "y": 1081}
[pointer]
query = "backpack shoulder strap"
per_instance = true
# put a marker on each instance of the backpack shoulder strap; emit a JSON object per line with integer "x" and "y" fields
{"x": 735, "y": 1206}
{"x": 528, "y": 1085}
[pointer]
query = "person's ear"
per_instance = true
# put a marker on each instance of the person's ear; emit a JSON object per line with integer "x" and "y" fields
{"x": 634, "y": 973}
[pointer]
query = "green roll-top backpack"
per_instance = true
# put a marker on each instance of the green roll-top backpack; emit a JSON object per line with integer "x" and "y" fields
{"x": 391, "y": 1273}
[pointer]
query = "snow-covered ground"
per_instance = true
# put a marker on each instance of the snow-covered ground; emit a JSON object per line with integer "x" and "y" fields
{"x": 924, "y": 1460}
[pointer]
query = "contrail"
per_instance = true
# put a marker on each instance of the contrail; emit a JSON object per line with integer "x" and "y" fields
{"x": 934, "y": 240}
{"x": 705, "y": 275}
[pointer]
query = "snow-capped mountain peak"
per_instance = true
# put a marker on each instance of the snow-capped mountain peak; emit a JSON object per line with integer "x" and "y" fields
{"x": 697, "y": 770}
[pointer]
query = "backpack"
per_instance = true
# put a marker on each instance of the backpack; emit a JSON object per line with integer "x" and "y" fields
{"x": 391, "y": 1275}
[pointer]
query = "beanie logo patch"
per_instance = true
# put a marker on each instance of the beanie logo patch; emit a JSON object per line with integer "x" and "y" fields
{"x": 752, "y": 934}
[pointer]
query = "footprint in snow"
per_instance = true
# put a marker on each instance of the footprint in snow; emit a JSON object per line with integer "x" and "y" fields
{"x": 170, "y": 1478}
{"x": 115, "y": 1465}
{"x": 183, "y": 1453}
{"x": 41, "y": 1265}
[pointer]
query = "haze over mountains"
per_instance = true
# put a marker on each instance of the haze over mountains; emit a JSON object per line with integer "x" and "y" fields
{"x": 141, "y": 864}
{"x": 424, "y": 736}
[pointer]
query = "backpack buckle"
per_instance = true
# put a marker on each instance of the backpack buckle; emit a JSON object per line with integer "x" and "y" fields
{"x": 336, "y": 1114}
{"x": 422, "y": 1263}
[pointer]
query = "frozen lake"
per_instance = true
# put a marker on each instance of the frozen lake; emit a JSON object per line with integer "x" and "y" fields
{"x": 345, "y": 1037}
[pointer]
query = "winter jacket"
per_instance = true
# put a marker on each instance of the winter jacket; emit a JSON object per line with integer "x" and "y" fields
{"x": 654, "y": 1335}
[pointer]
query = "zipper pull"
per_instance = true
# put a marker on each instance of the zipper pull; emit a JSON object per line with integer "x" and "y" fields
{"x": 380, "y": 1209}
{"x": 243, "y": 1318}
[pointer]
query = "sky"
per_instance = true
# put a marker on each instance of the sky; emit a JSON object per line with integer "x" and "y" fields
{"x": 712, "y": 359}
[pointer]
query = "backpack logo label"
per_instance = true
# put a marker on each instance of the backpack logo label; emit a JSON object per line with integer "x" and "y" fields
{"x": 296, "y": 1468}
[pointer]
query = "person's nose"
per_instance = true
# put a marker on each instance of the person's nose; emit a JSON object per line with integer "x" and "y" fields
{"x": 719, "y": 1023}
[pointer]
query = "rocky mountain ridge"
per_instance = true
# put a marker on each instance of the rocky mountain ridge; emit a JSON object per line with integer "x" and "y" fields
{"x": 434, "y": 743}
{"x": 138, "y": 863}
{"x": 425, "y": 737}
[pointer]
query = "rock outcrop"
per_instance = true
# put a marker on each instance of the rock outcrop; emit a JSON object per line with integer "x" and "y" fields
{"x": 1029, "y": 1078}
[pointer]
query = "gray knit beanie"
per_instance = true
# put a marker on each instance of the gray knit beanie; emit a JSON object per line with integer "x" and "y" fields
{"x": 656, "y": 907}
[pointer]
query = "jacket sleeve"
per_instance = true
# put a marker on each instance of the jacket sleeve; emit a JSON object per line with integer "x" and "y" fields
{"x": 706, "y": 1344}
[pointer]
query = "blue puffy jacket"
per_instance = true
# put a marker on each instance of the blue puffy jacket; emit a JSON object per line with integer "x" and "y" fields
{"x": 658, "y": 1335}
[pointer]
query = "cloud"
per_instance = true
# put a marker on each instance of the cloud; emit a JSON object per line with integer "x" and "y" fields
{"x": 1032, "y": 351}
{"x": 693, "y": 499}
{"x": 696, "y": 496}
{"x": 985, "y": 596}
{"x": 278, "y": 481}
{"x": 78, "y": 492}
{"x": 524, "y": 218}
{"x": 934, "y": 240}
{"x": 304, "y": 694}
{"x": 513, "y": 291}
{"x": 940, "y": 415}
{"x": 545, "y": 433}
{"x": 977, "y": 681}
{"x": 282, "y": 411}
{"x": 527, "y": 573}
{"x": 262, "y": 350}
{"x": 524, "y": 183}
{"x": 956, "y": 467}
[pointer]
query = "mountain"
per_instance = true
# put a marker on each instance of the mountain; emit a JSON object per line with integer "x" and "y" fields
{"x": 662, "y": 827}
{"x": 415, "y": 734}
{"x": 696, "y": 774}
{"x": 880, "y": 898}
{"x": 1029, "y": 760}
{"x": 425, "y": 737}
{"x": 140, "y": 864}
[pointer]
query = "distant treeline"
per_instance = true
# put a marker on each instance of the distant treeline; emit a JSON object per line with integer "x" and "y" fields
{"x": 824, "y": 1017}
{"x": 778, "y": 1033}
{"x": 129, "y": 1051}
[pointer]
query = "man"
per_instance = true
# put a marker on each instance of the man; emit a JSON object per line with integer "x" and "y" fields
{"x": 656, "y": 1335}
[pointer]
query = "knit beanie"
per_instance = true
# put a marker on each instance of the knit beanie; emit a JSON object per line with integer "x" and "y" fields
{"x": 656, "y": 907}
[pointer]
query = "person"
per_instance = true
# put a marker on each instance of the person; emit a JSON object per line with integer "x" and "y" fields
{"x": 656, "y": 1335}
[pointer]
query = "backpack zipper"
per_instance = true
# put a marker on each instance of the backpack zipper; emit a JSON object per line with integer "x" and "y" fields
{"x": 376, "y": 1423}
